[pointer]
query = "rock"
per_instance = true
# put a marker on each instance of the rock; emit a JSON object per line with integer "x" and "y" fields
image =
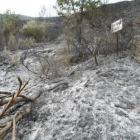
{"x": 48, "y": 112}
{"x": 86, "y": 120}
{"x": 99, "y": 107}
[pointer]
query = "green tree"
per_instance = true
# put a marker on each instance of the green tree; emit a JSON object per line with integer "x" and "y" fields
{"x": 76, "y": 14}
{"x": 77, "y": 9}
{"x": 9, "y": 25}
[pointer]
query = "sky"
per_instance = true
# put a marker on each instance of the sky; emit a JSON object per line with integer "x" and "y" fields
{"x": 32, "y": 7}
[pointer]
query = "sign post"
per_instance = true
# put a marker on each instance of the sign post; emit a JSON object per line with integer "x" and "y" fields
{"x": 117, "y": 38}
{"x": 115, "y": 27}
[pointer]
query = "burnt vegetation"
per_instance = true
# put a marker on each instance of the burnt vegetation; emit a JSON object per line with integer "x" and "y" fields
{"x": 85, "y": 26}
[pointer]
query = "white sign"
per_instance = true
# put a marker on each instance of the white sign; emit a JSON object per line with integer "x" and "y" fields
{"x": 116, "y": 26}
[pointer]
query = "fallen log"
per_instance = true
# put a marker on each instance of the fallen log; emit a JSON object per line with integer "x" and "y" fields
{"x": 19, "y": 99}
{"x": 14, "y": 129}
{"x": 33, "y": 97}
{"x": 57, "y": 85}
{"x": 13, "y": 103}
{"x": 17, "y": 118}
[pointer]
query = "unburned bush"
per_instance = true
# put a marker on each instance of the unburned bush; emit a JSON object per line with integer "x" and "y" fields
{"x": 35, "y": 30}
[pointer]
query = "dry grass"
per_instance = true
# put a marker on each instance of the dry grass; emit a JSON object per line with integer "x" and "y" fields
{"x": 6, "y": 53}
{"x": 57, "y": 67}
{"x": 15, "y": 59}
{"x": 12, "y": 44}
{"x": 25, "y": 43}
{"x": 43, "y": 68}
{"x": 19, "y": 43}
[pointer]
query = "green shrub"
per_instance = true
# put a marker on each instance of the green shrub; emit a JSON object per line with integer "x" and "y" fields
{"x": 34, "y": 30}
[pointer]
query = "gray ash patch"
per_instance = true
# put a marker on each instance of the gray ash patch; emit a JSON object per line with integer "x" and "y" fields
{"x": 100, "y": 103}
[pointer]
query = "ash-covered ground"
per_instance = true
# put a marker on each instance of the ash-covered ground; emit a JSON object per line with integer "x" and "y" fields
{"x": 98, "y": 103}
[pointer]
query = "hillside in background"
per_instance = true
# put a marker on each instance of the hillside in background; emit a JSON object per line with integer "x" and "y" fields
{"x": 24, "y": 17}
{"x": 128, "y": 10}
{"x": 117, "y": 10}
